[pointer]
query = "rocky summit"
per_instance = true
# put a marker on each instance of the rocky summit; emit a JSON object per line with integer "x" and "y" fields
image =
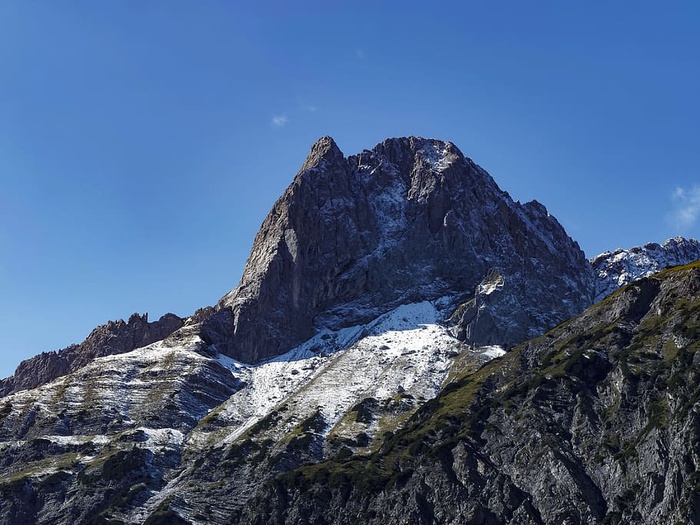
{"x": 408, "y": 221}
{"x": 407, "y": 344}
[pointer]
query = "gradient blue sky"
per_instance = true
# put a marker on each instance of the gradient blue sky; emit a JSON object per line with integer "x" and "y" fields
{"x": 142, "y": 143}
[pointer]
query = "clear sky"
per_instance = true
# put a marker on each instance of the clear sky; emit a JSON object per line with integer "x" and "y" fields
{"x": 143, "y": 143}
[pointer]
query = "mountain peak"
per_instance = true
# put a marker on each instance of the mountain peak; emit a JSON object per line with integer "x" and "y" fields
{"x": 409, "y": 220}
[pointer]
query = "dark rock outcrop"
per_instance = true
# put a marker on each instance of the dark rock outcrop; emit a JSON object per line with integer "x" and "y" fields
{"x": 410, "y": 220}
{"x": 115, "y": 337}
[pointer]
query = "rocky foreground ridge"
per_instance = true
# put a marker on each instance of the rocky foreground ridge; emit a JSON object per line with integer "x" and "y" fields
{"x": 597, "y": 421}
{"x": 344, "y": 379}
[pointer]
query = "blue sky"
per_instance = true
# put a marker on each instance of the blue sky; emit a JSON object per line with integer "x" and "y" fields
{"x": 142, "y": 143}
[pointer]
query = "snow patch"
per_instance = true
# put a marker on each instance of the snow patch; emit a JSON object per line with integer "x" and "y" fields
{"x": 487, "y": 287}
{"x": 436, "y": 156}
{"x": 163, "y": 437}
{"x": 493, "y": 351}
{"x": 405, "y": 351}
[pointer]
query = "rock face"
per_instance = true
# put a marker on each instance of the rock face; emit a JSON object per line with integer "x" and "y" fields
{"x": 115, "y": 337}
{"x": 621, "y": 267}
{"x": 595, "y": 422}
{"x": 410, "y": 220}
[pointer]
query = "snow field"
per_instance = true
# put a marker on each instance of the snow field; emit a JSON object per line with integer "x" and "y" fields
{"x": 405, "y": 352}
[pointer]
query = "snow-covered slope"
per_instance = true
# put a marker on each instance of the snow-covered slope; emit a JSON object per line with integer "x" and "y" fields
{"x": 406, "y": 352}
{"x": 178, "y": 398}
{"x": 620, "y": 267}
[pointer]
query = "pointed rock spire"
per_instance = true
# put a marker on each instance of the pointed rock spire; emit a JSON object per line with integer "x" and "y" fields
{"x": 325, "y": 149}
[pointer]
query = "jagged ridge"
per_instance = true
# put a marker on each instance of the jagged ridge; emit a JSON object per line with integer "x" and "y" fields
{"x": 621, "y": 267}
{"x": 115, "y": 337}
